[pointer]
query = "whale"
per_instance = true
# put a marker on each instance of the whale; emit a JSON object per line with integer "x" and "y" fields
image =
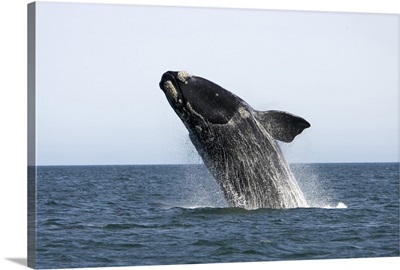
{"x": 238, "y": 144}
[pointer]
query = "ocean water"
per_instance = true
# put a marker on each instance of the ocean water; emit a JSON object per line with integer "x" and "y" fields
{"x": 89, "y": 216}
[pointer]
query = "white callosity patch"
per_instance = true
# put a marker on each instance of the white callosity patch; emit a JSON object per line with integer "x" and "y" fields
{"x": 243, "y": 112}
{"x": 183, "y": 75}
{"x": 170, "y": 90}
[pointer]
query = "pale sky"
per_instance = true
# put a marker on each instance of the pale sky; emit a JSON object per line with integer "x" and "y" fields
{"x": 98, "y": 69}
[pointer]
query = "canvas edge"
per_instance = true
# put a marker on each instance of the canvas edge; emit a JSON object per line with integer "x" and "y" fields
{"x": 31, "y": 136}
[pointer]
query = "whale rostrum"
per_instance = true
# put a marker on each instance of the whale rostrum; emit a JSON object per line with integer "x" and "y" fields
{"x": 237, "y": 143}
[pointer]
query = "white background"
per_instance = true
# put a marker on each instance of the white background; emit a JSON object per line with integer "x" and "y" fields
{"x": 13, "y": 132}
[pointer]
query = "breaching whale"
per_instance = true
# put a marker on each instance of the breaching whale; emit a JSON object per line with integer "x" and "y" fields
{"x": 237, "y": 143}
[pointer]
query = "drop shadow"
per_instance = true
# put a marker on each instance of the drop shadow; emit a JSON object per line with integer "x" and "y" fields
{"x": 20, "y": 261}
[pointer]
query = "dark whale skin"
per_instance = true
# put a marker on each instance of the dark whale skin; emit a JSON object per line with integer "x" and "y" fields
{"x": 237, "y": 143}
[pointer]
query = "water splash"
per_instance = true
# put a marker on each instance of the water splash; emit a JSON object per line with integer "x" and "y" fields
{"x": 311, "y": 183}
{"x": 248, "y": 165}
{"x": 199, "y": 189}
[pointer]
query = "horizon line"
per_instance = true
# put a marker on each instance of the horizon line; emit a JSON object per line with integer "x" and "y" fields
{"x": 186, "y": 164}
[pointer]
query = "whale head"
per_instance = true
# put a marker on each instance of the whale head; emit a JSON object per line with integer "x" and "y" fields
{"x": 195, "y": 98}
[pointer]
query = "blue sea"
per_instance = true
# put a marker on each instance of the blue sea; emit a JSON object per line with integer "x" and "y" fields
{"x": 89, "y": 216}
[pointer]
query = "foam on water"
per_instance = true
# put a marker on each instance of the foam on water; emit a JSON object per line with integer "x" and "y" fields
{"x": 340, "y": 205}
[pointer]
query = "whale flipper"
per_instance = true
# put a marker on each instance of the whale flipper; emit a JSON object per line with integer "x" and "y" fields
{"x": 282, "y": 126}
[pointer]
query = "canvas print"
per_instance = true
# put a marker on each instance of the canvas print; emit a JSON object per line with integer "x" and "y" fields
{"x": 175, "y": 135}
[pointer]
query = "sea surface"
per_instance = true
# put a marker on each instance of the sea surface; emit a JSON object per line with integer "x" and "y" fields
{"x": 89, "y": 216}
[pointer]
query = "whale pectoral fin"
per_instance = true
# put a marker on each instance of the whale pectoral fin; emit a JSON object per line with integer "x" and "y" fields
{"x": 282, "y": 126}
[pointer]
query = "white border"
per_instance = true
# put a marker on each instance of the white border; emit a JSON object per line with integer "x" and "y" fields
{"x": 13, "y": 124}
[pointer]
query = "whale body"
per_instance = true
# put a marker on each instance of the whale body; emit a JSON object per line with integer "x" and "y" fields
{"x": 236, "y": 142}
